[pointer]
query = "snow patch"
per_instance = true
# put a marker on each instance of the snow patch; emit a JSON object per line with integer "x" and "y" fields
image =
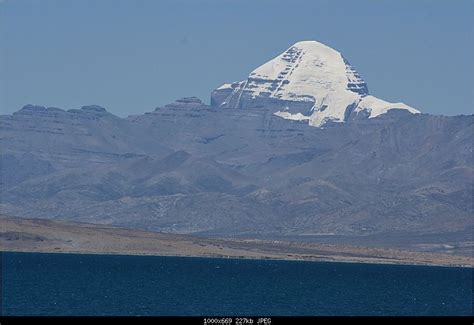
{"x": 225, "y": 86}
{"x": 294, "y": 117}
{"x": 376, "y": 106}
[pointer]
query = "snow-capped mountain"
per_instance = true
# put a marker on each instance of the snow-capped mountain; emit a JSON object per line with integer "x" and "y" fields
{"x": 308, "y": 82}
{"x": 400, "y": 180}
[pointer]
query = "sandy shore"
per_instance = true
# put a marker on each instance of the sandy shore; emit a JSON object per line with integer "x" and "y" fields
{"x": 38, "y": 235}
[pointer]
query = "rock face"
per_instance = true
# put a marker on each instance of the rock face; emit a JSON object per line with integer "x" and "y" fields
{"x": 308, "y": 82}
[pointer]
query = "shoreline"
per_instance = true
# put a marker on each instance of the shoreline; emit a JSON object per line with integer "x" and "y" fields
{"x": 248, "y": 258}
{"x": 54, "y": 236}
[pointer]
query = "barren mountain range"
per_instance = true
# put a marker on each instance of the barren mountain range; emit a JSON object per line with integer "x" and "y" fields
{"x": 272, "y": 157}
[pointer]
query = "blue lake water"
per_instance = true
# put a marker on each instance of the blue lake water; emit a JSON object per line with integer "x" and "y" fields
{"x": 69, "y": 284}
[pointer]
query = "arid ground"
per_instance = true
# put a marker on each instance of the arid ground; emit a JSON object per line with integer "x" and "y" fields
{"x": 38, "y": 235}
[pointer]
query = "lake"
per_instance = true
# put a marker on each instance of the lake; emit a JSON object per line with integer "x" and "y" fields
{"x": 80, "y": 284}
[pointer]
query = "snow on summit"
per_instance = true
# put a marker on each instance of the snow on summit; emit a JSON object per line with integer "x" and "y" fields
{"x": 308, "y": 82}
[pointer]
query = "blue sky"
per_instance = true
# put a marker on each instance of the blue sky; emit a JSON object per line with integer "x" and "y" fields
{"x": 132, "y": 56}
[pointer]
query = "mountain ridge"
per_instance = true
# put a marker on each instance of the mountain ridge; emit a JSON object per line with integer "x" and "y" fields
{"x": 251, "y": 175}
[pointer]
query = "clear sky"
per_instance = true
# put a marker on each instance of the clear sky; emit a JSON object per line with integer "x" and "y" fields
{"x": 132, "y": 56}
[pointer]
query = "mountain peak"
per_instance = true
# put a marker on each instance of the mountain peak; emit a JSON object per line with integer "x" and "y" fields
{"x": 189, "y": 100}
{"x": 309, "y": 81}
{"x": 94, "y": 108}
{"x": 185, "y": 102}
